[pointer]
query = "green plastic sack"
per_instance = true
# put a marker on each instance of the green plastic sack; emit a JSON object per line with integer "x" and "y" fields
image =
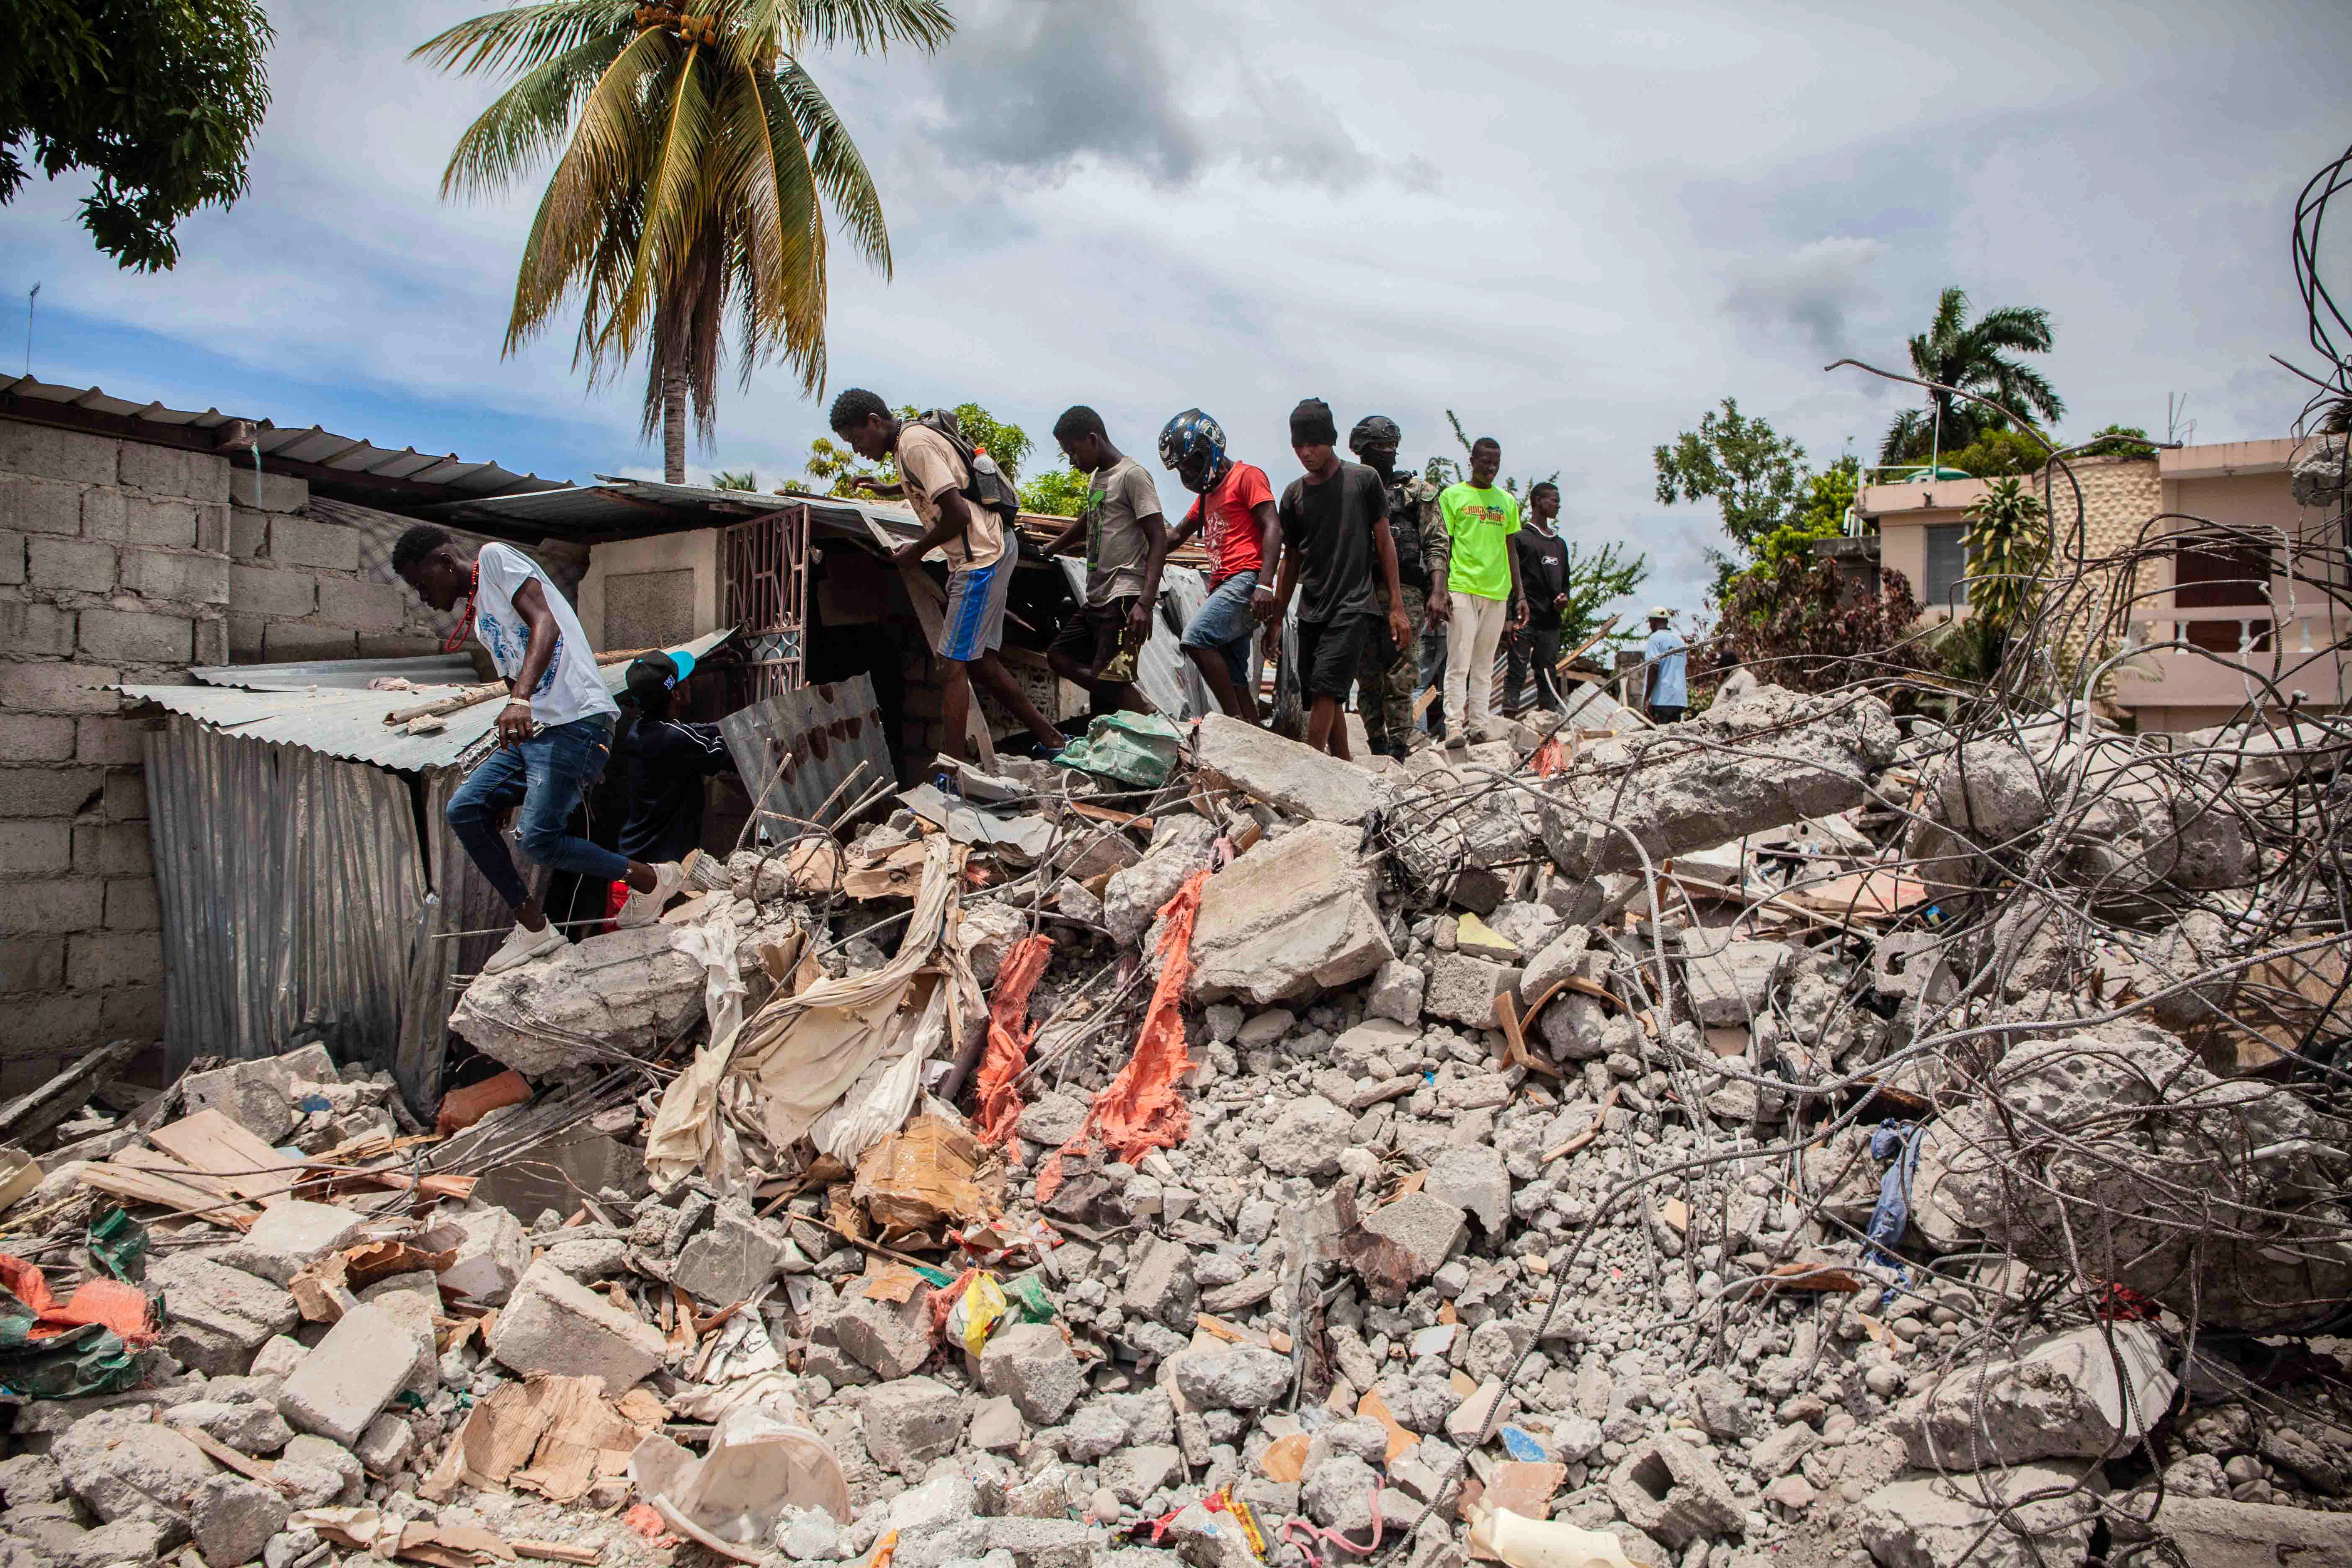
{"x": 1139, "y": 749}
{"x": 1026, "y": 1298}
{"x": 118, "y": 1244}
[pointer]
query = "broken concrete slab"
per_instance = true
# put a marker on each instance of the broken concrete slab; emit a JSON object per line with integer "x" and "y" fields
{"x": 259, "y": 1094}
{"x": 1926, "y": 1520}
{"x": 121, "y": 1466}
{"x": 219, "y": 1317}
{"x": 1299, "y": 779}
{"x": 1416, "y": 1235}
{"x": 1307, "y": 1138}
{"x": 1183, "y": 848}
{"x": 233, "y": 1518}
{"x": 1243, "y": 1377}
{"x": 493, "y": 1252}
{"x": 554, "y": 1323}
{"x": 2061, "y": 1396}
{"x": 911, "y": 1422}
{"x": 1765, "y": 762}
{"x": 729, "y": 1259}
{"x": 1731, "y": 982}
{"x": 1667, "y": 1489}
{"x": 289, "y": 1236}
{"x": 2216, "y": 1533}
{"x": 628, "y": 991}
{"x": 891, "y": 1339}
{"x": 346, "y": 1381}
{"x": 1395, "y": 992}
{"x": 1472, "y": 1179}
{"x": 1295, "y": 914}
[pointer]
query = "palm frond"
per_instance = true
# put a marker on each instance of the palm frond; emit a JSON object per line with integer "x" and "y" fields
{"x": 523, "y": 37}
{"x": 676, "y": 209}
{"x": 528, "y": 121}
{"x": 840, "y": 170}
{"x": 1951, "y": 314}
{"x": 2014, "y": 328}
{"x": 2021, "y": 388}
{"x": 869, "y": 26}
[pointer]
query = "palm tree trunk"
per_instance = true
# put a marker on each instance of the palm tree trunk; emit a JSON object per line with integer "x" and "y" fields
{"x": 674, "y": 426}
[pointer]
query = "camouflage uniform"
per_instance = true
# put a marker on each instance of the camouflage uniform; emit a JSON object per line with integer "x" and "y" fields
{"x": 1390, "y": 677}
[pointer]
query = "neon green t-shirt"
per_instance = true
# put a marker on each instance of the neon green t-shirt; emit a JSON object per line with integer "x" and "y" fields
{"x": 1481, "y": 522}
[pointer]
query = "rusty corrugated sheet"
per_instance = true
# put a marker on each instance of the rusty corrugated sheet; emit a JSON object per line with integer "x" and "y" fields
{"x": 828, "y": 728}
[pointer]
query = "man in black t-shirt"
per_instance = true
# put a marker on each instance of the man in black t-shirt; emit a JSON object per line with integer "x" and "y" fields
{"x": 1334, "y": 528}
{"x": 1543, "y": 578}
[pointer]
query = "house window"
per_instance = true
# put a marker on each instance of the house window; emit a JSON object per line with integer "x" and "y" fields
{"x": 2222, "y": 574}
{"x": 1947, "y": 566}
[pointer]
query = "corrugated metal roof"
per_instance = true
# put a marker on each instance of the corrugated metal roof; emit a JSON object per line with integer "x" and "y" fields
{"x": 619, "y": 507}
{"x": 350, "y": 674}
{"x": 343, "y": 454}
{"x": 338, "y": 721}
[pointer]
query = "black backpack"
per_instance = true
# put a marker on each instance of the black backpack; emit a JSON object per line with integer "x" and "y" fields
{"x": 986, "y": 484}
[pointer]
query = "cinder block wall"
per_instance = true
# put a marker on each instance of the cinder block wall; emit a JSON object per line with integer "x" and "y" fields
{"x": 122, "y": 561}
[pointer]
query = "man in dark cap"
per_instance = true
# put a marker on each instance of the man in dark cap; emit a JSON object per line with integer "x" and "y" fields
{"x": 1391, "y": 673}
{"x": 659, "y": 763}
{"x": 1335, "y": 523}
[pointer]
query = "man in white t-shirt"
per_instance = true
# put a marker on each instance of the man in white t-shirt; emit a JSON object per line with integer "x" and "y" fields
{"x": 554, "y": 734}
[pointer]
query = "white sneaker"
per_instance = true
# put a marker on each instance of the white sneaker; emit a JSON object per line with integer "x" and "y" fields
{"x": 524, "y": 944}
{"x": 644, "y": 909}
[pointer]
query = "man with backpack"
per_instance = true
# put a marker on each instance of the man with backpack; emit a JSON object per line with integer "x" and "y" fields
{"x": 1127, "y": 545}
{"x": 1390, "y": 676}
{"x": 967, "y": 507}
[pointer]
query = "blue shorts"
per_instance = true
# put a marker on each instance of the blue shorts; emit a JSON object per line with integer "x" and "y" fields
{"x": 973, "y": 622}
{"x": 1226, "y": 623}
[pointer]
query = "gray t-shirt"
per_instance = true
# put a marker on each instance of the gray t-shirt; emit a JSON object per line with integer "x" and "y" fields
{"x": 1117, "y": 499}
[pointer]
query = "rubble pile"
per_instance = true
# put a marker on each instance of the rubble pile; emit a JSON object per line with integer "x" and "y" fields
{"x": 1801, "y": 1134}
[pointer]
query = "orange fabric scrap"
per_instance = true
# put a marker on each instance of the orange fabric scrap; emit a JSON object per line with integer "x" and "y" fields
{"x": 121, "y": 1306}
{"x": 1549, "y": 758}
{"x": 1009, "y": 1035}
{"x": 1142, "y": 1108}
{"x": 647, "y": 1521}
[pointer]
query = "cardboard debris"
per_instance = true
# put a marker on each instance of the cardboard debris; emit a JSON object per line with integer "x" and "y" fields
{"x": 916, "y": 1181}
{"x": 551, "y": 1435}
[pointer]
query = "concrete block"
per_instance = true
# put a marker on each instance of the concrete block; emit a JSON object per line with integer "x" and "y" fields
{"x": 1161, "y": 1286}
{"x": 36, "y": 848}
{"x": 553, "y": 1323}
{"x": 1473, "y": 1179}
{"x": 233, "y": 1518}
{"x": 194, "y": 579}
{"x": 212, "y": 528}
{"x": 267, "y": 491}
{"x": 493, "y": 1252}
{"x": 140, "y": 520}
{"x": 1924, "y": 1520}
{"x": 82, "y": 564}
{"x": 911, "y": 1422}
{"x": 212, "y": 637}
{"x": 133, "y": 904}
{"x": 290, "y": 1235}
{"x": 126, "y": 795}
{"x": 361, "y": 605}
{"x": 174, "y": 472}
{"x": 247, "y": 1425}
{"x": 13, "y": 563}
{"x": 59, "y": 687}
{"x": 39, "y": 506}
{"x": 254, "y": 1094}
{"x": 103, "y": 513}
{"x": 46, "y": 908}
{"x": 1244, "y": 1377}
{"x": 95, "y": 960}
{"x": 111, "y": 849}
{"x": 1291, "y": 916}
{"x": 137, "y": 636}
{"x": 1420, "y": 1231}
{"x": 288, "y": 641}
{"x": 278, "y": 1357}
{"x": 386, "y": 1445}
{"x": 29, "y": 630}
{"x": 249, "y": 533}
{"x": 2059, "y": 1398}
{"x": 892, "y": 1337}
{"x": 123, "y": 1466}
{"x": 272, "y": 591}
{"x": 304, "y": 542}
{"x": 219, "y": 1316}
{"x": 52, "y": 454}
{"x": 1669, "y": 1490}
{"x": 1463, "y": 989}
{"x": 1031, "y": 1364}
{"x": 131, "y": 1013}
{"x": 32, "y": 963}
{"x": 347, "y": 1379}
{"x": 729, "y": 1259}
{"x": 37, "y": 737}
{"x": 1731, "y": 983}
{"x": 111, "y": 742}
{"x": 245, "y": 638}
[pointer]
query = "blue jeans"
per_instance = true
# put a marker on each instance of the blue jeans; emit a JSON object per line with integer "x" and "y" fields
{"x": 1224, "y": 623}
{"x": 545, "y": 777}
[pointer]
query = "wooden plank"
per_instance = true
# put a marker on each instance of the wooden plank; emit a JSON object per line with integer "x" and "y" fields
{"x": 178, "y": 1171}
{"x": 30, "y": 1114}
{"x": 165, "y": 1191}
{"x": 214, "y": 1142}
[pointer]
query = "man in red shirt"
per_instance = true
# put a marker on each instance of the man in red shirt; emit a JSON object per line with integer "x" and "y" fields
{"x": 1235, "y": 517}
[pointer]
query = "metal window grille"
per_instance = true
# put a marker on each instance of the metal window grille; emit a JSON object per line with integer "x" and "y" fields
{"x": 763, "y": 582}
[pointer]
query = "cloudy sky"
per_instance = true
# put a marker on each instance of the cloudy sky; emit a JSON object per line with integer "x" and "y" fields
{"x": 1578, "y": 226}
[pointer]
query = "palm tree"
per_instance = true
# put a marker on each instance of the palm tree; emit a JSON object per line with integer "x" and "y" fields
{"x": 1972, "y": 356}
{"x": 696, "y": 159}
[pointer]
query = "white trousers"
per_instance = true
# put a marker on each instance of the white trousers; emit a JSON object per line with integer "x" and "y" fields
{"x": 1472, "y": 636}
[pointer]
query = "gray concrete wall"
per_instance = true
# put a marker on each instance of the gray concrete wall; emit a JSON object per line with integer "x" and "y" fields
{"x": 123, "y": 561}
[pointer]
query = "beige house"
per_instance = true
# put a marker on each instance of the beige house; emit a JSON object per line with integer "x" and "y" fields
{"x": 2219, "y": 534}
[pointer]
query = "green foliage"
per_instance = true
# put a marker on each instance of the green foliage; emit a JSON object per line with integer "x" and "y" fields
{"x": 735, "y": 479}
{"x": 1056, "y": 492}
{"x": 2008, "y": 540}
{"x": 1008, "y": 443}
{"x": 1795, "y": 626}
{"x": 1592, "y": 582}
{"x": 1820, "y": 513}
{"x": 1995, "y": 453}
{"x": 1976, "y": 357}
{"x": 1756, "y": 477}
{"x": 2118, "y": 441}
{"x": 158, "y": 99}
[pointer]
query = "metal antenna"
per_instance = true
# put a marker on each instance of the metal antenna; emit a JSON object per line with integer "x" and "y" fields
{"x": 35, "y": 294}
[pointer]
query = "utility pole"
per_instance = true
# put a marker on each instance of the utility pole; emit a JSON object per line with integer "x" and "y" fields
{"x": 29, "y": 300}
